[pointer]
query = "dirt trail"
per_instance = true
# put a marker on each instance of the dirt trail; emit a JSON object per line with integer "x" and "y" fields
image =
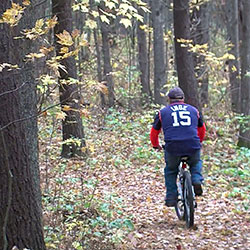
{"x": 218, "y": 225}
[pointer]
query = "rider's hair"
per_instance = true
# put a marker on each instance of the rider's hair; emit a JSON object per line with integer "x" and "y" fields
{"x": 176, "y": 100}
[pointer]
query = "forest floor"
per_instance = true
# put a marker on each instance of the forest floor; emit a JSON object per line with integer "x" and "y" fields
{"x": 114, "y": 199}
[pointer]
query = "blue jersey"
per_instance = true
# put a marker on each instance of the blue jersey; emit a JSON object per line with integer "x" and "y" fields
{"x": 179, "y": 122}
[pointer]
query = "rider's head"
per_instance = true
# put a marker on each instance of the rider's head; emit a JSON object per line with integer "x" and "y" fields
{"x": 175, "y": 95}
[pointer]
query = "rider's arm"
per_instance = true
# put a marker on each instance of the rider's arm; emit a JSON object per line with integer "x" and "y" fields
{"x": 155, "y": 131}
{"x": 201, "y": 130}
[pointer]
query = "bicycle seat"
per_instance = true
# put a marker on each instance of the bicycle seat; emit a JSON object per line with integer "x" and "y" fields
{"x": 184, "y": 158}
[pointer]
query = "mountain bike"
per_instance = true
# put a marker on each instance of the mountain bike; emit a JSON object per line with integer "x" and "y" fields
{"x": 186, "y": 199}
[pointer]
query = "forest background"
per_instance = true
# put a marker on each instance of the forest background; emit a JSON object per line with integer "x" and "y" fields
{"x": 80, "y": 84}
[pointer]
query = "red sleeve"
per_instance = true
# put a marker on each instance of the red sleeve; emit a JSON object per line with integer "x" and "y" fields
{"x": 201, "y": 132}
{"x": 154, "y": 137}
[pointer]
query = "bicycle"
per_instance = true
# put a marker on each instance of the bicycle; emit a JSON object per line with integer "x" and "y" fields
{"x": 186, "y": 203}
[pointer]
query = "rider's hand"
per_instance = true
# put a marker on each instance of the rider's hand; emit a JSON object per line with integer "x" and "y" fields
{"x": 158, "y": 148}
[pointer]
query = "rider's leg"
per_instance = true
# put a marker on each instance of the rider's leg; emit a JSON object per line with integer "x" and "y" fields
{"x": 196, "y": 171}
{"x": 170, "y": 174}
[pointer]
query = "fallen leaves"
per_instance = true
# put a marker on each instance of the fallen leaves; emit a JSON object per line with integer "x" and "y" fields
{"x": 122, "y": 163}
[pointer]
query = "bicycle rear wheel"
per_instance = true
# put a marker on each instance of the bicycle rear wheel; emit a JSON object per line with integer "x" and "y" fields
{"x": 179, "y": 207}
{"x": 188, "y": 200}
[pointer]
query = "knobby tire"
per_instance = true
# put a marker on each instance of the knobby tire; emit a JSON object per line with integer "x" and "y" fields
{"x": 188, "y": 200}
{"x": 179, "y": 208}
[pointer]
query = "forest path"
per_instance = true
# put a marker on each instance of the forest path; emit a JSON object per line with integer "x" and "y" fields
{"x": 218, "y": 222}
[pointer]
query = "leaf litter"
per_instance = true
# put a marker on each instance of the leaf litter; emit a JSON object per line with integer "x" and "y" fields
{"x": 123, "y": 167}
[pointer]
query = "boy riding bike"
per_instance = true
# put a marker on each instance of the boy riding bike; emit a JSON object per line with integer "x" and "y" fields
{"x": 184, "y": 130}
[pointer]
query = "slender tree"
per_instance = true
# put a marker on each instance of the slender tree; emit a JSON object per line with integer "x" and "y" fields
{"x": 72, "y": 128}
{"x": 200, "y": 36}
{"x": 20, "y": 195}
{"x": 231, "y": 11}
{"x": 244, "y": 136}
{"x": 107, "y": 67}
{"x": 143, "y": 58}
{"x": 159, "y": 54}
{"x": 184, "y": 59}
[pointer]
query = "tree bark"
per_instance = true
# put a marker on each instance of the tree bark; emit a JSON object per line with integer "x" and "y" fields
{"x": 184, "y": 59}
{"x": 72, "y": 127}
{"x": 107, "y": 68}
{"x": 159, "y": 54}
{"x": 200, "y": 36}
{"x": 20, "y": 199}
{"x": 143, "y": 60}
{"x": 232, "y": 21}
{"x": 244, "y": 136}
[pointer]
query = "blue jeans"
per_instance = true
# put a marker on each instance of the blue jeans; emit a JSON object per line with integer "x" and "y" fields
{"x": 171, "y": 171}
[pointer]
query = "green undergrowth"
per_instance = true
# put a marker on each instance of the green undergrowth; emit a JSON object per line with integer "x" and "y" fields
{"x": 227, "y": 166}
{"x": 80, "y": 213}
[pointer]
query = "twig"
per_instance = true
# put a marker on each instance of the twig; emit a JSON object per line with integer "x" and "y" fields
{"x": 13, "y": 90}
{"x": 244, "y": 138}
{"x": 39, "y": 113}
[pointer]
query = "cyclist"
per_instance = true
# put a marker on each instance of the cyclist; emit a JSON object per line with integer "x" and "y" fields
{"x": 183, "y": 130}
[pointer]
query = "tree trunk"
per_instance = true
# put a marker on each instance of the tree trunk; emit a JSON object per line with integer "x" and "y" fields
{"x": 99, "y": 64}
{"x": 232, "y": 21}
{"x": 168, "y": 20}
{"x": 107, "y": 68}
{"x": 72, "y": 127}
{"x": 200, "y": 36}
{"x": 159, "y": 54}
{"x": 20, "y": 199}
{"x": 184, "y": 59}
{"x": 244, "y": 137}
{"x": 143, "y": 60}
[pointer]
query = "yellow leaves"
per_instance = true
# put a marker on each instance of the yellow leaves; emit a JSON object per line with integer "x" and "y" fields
{"x": 115, "y": 65}
{"x": 13, "y": 15}
{"x": 84, "y": 113}
{"x": 124, "y": 7}
{"x": 66, "y": 108}
{"x": 51, "y": 22}
{"x": 83, "y": 42}
{"x": 26, "y": 2}
{"x": 234, "y": 69}
{"x": 55, "y": 65}
{"x": 61, "y": 115}
{"x": 126, "y": 22}
{"x": 104, "y": 19}
{"x": 84, "y": 149}
{"x": 39, "y": 24}
{"x": 102, "y": 88}
{"x": 227, "y": 56}
{"x": 41, "y": 27}
{"x": 8, "y": 65}
{"x": 149, "y": 199}
{"x": 65, "y": 38}
{"x": 43, "y": 52}
{"x": 68, "y": 40}
{"x": 94, "y": 13}
{"x": 46, "y": 50}
{"x": 47, "y": 80}
{"x": 75, "y": 33}
{"x": 91, "y": 24}
{"x": 138, "y": 17}
{"x": 32, "y": 56}
{"x": 110, "y": 5}
{"x": 64, "y": 50}
{"x": 184, "y": 42}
